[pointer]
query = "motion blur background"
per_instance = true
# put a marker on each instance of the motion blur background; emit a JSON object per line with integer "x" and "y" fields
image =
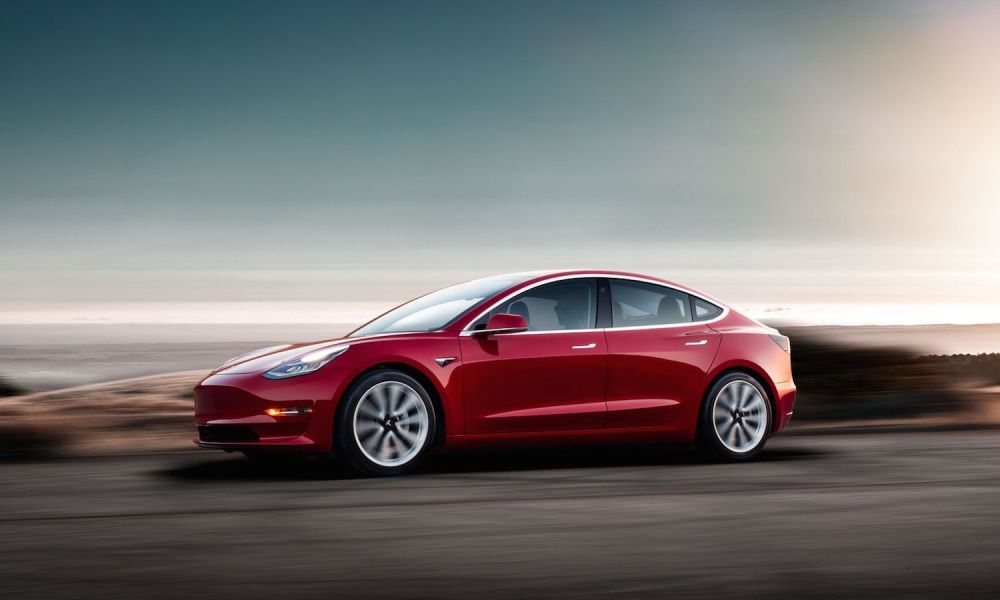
{"x": 182, "y": 182}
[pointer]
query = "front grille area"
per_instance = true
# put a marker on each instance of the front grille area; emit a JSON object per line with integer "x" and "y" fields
{"x": 224, "y": 402}
{"x": 226, "y": 433}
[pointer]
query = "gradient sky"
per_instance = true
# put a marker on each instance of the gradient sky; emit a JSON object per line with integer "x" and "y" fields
{"x": 769, "y": 152}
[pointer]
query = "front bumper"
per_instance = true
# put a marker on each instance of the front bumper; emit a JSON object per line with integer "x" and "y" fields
{"x": 231, "y": 412}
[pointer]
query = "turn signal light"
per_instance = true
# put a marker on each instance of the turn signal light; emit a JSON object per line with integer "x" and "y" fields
{"x": 288, "y": 412}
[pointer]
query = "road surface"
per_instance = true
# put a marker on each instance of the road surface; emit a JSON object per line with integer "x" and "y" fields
{"x": 894, "y": 515}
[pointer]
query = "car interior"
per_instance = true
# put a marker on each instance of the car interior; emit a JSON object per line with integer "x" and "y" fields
{"x": 569, "y": 305}
{"x": 557, "y": 306}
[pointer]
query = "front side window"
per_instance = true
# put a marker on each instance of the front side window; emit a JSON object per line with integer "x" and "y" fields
{"x": 437, "y": 309}
{"x": 639, "y": 304}
{"x": 557, "y": 306}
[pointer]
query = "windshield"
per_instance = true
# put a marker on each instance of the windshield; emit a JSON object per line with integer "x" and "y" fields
{"x": 437, "y": 309}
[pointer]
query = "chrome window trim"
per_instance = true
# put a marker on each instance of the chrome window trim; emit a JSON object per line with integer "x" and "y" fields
{"x": 470, "y": 332}
{"x": 662, "y": 326}
{"x": 467, "y": 331}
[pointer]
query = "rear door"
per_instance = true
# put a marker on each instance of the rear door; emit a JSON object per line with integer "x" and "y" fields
{"x": 658, "y": 354}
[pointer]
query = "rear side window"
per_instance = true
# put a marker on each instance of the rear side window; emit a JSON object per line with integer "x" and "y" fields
{"x": 704, "y": 310}
{"x": 637, "y": 304}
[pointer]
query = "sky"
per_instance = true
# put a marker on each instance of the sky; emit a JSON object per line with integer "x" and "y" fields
{"x": 820, "y": 158}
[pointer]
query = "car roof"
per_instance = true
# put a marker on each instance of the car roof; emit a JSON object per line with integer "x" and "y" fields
{"x": 533, "y": 277}
{"x": 556, "y": 273}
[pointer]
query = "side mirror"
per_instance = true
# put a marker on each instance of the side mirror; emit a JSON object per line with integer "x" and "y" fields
{"x": 504, "y": 323}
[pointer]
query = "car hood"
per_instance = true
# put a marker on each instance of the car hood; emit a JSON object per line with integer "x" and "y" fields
{"x": 265, "y": 359}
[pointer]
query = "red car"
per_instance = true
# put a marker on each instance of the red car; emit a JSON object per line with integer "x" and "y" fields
{"x": 528, "y": 358}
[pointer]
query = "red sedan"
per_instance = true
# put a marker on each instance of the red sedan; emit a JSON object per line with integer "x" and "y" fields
{"x": 566, "y": 357}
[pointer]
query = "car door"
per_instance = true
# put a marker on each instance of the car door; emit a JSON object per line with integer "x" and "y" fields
{"x": 549, "y": 378}
{"x": 658, "y": 354}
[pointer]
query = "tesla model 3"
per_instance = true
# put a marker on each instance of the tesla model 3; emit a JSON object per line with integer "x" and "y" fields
{"x": 530, "y": 358}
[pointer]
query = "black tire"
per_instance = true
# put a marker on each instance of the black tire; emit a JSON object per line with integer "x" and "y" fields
{"x": 349, "y": 442}
{"x": 709, "y": 436}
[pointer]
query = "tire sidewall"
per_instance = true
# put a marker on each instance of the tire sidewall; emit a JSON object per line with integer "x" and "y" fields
{"x": 707, "y": 436}
{"x": 345, "y": 441}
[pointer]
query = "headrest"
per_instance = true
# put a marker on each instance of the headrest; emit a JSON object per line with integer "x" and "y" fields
{"x": 670, "y": 311}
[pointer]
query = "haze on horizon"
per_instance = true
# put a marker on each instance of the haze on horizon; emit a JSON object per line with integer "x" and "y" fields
{"x": 774, "y": 154}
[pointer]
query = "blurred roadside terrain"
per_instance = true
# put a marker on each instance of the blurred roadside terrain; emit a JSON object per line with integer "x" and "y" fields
{"x": 99, "y": 390}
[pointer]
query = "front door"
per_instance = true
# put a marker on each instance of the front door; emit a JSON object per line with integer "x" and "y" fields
{"x": 549, "y": 378}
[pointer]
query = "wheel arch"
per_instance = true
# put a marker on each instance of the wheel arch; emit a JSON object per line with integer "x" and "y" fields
{"x": 751, "y": 370}
{"x": 415, "y": 372}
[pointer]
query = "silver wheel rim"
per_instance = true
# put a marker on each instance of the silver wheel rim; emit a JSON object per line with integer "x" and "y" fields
{"x": 391, "y": 423}
{"x": 739, "y": 416}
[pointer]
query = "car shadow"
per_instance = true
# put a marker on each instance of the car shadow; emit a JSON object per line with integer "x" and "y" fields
{"x": 471, "y": 461}
{"x": 236, "y": 468}
{"x": 528, "y": 459}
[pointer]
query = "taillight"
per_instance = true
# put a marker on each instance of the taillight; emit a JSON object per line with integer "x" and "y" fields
{"x": 782, "y": 342}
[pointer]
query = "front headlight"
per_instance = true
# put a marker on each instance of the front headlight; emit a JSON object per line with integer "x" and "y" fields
{"x": 251, "y": 355}
{"x": 307, "y": 363}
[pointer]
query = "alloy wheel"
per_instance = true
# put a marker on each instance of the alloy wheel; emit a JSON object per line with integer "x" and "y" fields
{"x": 391, "y": 424}
{"x": 739, "y": 416}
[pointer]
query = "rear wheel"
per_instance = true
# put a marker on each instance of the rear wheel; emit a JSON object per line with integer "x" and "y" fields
{"x": 735, "y": 418}
{"x": 386, "y": 423}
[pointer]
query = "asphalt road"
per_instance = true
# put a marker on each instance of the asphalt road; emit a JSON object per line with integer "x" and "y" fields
{"x": 901, "y": 515}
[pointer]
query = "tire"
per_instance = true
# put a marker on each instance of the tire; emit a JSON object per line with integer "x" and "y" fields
{"x": 735, "y": 418}
{"x": 386, "y": 424}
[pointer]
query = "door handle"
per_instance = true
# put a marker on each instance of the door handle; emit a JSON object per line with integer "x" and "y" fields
{"x": 586, "y": 346}
{"x": 698, "y": 343}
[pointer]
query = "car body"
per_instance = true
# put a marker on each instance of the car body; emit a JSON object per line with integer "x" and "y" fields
{"x": 584, "y": 356}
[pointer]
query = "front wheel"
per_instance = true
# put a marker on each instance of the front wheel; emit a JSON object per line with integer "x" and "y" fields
{"x": 386, "y": 423}
{"x": 735, "y": 418}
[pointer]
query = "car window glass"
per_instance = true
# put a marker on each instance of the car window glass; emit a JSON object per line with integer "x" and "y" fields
{"x": 437, "y": 309}
{"x": 705, "y": 310}
{"x": 637, "y": 304}
{"x": 561, "y": 305}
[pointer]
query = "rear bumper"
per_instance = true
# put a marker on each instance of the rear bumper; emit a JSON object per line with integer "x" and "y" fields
{"x": 231, "y": 413}
{"x": 784, "y": 404}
